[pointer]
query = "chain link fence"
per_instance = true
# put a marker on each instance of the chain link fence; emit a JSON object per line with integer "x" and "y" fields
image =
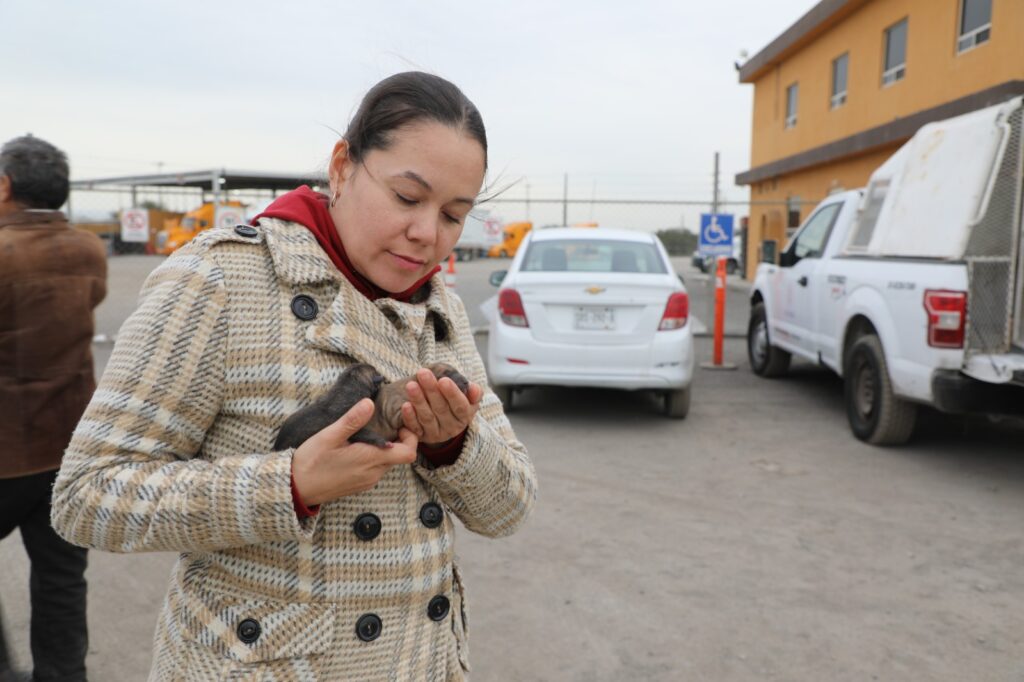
{"x": 99, "y": 210}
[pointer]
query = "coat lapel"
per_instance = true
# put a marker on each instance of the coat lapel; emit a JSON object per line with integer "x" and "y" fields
{"x": 388, "y": 334}
{"x": 356, "y": 327}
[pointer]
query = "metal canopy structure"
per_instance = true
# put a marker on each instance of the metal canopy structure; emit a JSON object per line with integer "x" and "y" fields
{"x": 215, "y": 180}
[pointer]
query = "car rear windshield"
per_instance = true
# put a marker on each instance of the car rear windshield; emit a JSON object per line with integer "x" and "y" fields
{"x": 593, "y": 255}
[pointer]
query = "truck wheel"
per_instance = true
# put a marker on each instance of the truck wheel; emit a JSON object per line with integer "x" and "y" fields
{"x": 876, "y": 415}
{"x": 504, "y": 394}
{"x": 677, "y": 403}
{"x": 765, "y": 359}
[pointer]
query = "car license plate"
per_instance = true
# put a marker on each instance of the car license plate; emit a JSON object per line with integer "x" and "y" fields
{"x": 592, "y": 317}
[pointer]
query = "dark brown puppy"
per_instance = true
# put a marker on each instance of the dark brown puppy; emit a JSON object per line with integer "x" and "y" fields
{"x": 355, "y": 383}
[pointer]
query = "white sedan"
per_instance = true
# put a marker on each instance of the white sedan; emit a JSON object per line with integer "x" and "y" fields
{"x": 592, "y": 307}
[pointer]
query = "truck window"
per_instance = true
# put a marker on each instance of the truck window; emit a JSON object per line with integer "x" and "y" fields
{"x": 812, "y": 239}
{"x": 597, "y": 255}
{"x": 865, "y": 227}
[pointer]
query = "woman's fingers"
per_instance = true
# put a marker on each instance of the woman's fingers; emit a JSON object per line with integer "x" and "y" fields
{"x": 435, "y": 398}
{"x": 404, "y": 450}
{"x": 345, "y": 426}
{"x": 437, "y": 410}
{"x": 456, "y": 401}
{"x": 410, "y": 420}
{"x": 427, "y": 402}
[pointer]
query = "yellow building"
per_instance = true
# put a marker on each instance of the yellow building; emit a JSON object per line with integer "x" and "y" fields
{"x": 851, "y": 80}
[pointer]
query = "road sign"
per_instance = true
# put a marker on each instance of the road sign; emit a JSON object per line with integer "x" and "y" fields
{"x": 229, "y": 216}
{"x": 135, "y": 225}
{"x": 715, "y": 234}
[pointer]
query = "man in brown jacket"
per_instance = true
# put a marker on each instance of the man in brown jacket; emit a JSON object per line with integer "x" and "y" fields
{"x": 51, "y": 279}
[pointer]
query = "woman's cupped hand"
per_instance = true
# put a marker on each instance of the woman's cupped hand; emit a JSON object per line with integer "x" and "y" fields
{"x": 437, "y": 410}
{"x": 327, "y": 466}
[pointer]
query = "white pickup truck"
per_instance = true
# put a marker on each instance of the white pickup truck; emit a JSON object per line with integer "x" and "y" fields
{"x": 910, "y": 289}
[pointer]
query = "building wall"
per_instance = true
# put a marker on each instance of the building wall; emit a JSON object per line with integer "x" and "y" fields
{"x": 935, "y": 73}
{"x": 810, "y": 186}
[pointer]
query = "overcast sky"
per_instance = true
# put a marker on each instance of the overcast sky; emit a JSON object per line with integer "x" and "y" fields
{"x": 631, "y": 99}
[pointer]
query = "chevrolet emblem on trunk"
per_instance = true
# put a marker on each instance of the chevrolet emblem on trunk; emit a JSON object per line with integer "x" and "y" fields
{"x": 594, "y": 290}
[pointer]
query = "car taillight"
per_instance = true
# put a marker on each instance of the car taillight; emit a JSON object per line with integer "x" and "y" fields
{"x": 947, "y": 317}
{"x": 510, "y": 305}
{"x": 677, "y": 311}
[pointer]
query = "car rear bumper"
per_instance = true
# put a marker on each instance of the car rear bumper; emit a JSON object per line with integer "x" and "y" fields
{"x": 958, "y": 393}
{"x": 666, "y": 363}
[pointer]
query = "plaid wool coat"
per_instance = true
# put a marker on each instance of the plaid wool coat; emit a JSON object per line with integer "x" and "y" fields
{"x": 174, "y": 453}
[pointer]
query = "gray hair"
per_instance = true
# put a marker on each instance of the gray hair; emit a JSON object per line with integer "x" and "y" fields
{"x": 38, "y": 172}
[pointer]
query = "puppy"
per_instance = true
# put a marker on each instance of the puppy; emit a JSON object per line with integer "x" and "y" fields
{"x": 355, "y": 383}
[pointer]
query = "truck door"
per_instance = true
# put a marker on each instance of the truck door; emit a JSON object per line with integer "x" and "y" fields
{"x": 800, "y": 282}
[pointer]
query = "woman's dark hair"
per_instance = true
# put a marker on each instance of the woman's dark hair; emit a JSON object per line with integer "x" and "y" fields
{"x": 38, "y": 172}
{"x": 405, "y": 99}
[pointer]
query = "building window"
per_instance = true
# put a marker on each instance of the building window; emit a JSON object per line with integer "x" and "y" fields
{"x": 791, "y": 94}
{"x": 975, "y": 23}
{"x": 792, "y": 213}
{"x": 839, "y": 68}
{"x": 895, "y": 53}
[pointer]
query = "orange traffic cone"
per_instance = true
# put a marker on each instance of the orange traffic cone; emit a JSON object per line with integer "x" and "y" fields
{"x": 449, "y": 275}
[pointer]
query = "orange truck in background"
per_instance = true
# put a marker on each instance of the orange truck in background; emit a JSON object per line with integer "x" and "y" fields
{"x": 513, "y": 234}
{"x": 178, "y": 233}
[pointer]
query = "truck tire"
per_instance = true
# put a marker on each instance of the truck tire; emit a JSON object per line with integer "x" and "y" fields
{"x": 677, "y": 403}
{"x": 504, "y": 394}
{"x": 876, "y": 415}
{"x": 765, "y": 359}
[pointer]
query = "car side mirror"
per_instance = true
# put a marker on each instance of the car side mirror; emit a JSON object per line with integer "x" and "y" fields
{"x": 788, "y": 259}
{"x": 497, "y": 277}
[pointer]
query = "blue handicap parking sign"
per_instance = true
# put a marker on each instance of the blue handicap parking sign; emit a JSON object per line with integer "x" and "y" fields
{"x": 715, "y": 234}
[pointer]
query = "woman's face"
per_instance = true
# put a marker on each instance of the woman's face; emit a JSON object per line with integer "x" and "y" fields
{"x": 401, "y": 210}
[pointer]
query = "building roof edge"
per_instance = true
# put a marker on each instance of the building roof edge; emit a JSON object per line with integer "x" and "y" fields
{"x": 822, "y": 16}
{"x": 898, "y": 130}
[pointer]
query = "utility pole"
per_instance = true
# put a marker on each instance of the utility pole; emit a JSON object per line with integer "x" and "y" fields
{"x": 159, "y": 188}
{"x": 716, "y": 293}
{"x": 527, "y": 201}
{"x": 714, "y": 263}
{"x": 565, "y": 200}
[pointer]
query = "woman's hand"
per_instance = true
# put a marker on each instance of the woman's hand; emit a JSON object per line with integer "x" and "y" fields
{"x": 327, "y": 466}
{"x": 438, "y": 411}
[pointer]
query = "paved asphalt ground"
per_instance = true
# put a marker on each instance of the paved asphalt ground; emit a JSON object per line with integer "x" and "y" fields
{"x": 755, "y": 540}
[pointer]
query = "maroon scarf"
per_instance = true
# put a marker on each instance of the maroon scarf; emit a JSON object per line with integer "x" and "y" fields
{"x": 309, "y": 208}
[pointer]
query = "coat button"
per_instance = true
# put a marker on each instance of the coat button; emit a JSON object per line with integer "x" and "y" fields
{"x": 248, "y": 631}
{"x": 245, "y": 231}
{"x": 368, "y": 627}
{"x": 431, "y": 515}
{"x": 438, "y": 607}
{"x": 304, "y": 307}
{"x": 367, "y": 526}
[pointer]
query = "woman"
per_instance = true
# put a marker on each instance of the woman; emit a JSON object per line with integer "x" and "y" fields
{"x": 332, "y": 561}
